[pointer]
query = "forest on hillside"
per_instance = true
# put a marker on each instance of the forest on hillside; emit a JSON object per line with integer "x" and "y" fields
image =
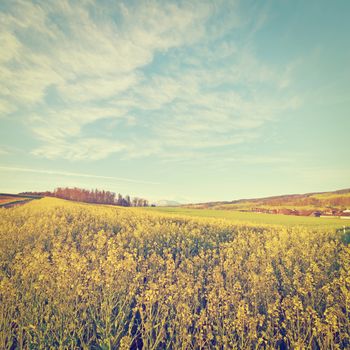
{"x": 92, "y": 196}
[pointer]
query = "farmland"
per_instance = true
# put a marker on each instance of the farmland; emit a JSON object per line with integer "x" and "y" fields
{"x": 82, "y": 276}
{"x": 255, "y": 218}
{"x": 10, "y": 200}
{"x": 6, "y": 199}
{"x": 325, "y": 203}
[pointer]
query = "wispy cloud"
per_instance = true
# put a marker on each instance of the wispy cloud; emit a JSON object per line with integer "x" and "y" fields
{"x": 85, "y": 148}
{"x": 69, "y": 174}
{"x": 170, "y": 68}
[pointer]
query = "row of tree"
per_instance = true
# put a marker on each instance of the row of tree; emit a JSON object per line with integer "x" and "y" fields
{"x": 82, "y": 195}
{"x": 93, "y": 196}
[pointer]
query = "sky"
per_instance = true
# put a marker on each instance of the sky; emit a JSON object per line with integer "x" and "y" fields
{"x": 182, "y": 100}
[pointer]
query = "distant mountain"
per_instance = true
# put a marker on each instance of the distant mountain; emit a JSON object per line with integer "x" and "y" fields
{"x": 322, "y": 203}
{"x": 166, "y": 203}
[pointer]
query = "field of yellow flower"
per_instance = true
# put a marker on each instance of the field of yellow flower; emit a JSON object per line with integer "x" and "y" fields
{"x": 79, "y": 276}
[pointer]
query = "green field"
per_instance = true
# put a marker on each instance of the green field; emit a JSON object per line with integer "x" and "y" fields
{"x": 305, "y": 204}
{"x": 256, "y": 218}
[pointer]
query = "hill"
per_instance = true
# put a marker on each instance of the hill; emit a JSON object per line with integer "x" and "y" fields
{"x": 256, "y": 218}
{"x": 167, "y": 203}
{"x": 333, "y": 203}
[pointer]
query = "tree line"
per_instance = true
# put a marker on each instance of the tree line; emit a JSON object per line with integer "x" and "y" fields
{"x": 92, "y": 196}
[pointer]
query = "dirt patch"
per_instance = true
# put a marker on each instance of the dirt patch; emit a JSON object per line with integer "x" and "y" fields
{"x": 15, "y": 203}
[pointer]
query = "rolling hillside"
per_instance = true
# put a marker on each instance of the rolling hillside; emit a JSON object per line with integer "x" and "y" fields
{"x": 333, "y": 203}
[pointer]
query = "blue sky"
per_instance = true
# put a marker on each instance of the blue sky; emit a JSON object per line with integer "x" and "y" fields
{"x": 183, "y": 100}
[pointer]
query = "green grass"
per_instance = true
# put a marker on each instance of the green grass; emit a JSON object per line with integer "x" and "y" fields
{"x": 257, "y": 218}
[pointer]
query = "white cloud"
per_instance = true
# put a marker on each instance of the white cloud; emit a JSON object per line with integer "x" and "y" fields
{"x": 71, "y": 174}
{"x": 94, "y": 89}
{"x": 5, "y": 108}
{"x": 60, "y": 124}
{"x": 69, "y": 65}
{"x": 87, "y": 148}
{"x": 10, "y": 45}
{"x": 192, "y": 113}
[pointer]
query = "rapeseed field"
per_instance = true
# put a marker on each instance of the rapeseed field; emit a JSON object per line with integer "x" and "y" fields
{"x": 79, "y": 276}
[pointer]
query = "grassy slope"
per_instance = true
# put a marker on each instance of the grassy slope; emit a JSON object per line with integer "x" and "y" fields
{"x": 310, "y": 201}
{"x": 256, "y": 218}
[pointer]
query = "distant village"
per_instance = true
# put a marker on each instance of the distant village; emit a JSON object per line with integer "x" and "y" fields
{"x": 343, "y": 214}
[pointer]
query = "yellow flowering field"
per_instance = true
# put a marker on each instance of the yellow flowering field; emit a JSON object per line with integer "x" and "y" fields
{"x": 79, "y": 276}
